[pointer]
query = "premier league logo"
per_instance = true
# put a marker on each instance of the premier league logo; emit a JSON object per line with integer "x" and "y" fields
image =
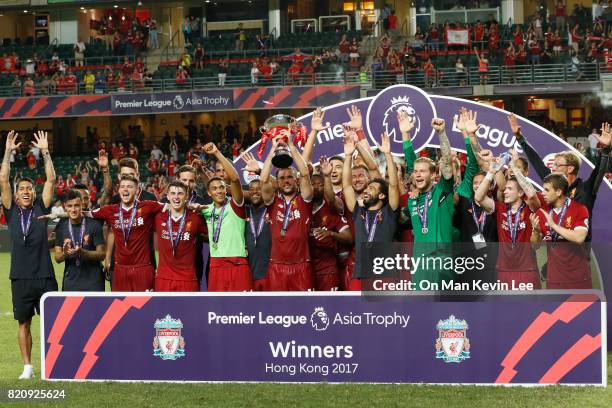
{"x": 178, "y": 102}
{"x": 452, "y": 345}
{"x": 400, "y": 104}
{"x": 319, "y": 319}
{"x": 382, "y": 116}
{"x": 168, "y": 344}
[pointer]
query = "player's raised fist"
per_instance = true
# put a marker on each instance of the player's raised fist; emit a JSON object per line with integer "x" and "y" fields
{"x": 438, "y": 124}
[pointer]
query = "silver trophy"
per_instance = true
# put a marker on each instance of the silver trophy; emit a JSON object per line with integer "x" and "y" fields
{"x": 271, "y": 127}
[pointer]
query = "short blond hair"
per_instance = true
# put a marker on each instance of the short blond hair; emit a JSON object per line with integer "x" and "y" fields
{"x": 571, "y": 158}
{"x": 432, "y": 164}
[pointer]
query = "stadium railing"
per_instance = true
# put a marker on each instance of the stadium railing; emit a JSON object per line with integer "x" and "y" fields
{"x": 442, "y": 77}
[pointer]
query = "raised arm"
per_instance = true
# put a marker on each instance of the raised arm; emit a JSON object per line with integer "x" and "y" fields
{"x": 533, "y": 156}
{"x": 347, "y": 176}
{"x": 302, "y": 167}
{"x": 363, "y": 147}
{"x": 406, "y": 125}
{"x": 328, "y": 188}
{"x": 445, "y": 147}
{"x": 5, "y": 171}
{"x": 232, "y": 174}
{"x": 316, "y": 125}
{"x": 42, "y": 142}
{"x": 532, "y": 198}
{"x": 267, "y": 189}
{"x": 603, "y": 160}
{"x": 385, "y": 147}
{"x": 480, "y": 196}
{"x": 107, "y": 194}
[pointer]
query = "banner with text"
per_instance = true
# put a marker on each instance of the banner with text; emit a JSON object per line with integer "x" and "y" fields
{"x": 527, "y": 339}
{"x": 191, "y": 101}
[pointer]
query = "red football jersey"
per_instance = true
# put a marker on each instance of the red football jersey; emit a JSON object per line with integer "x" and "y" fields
{"x": 180, "y": 266}
{"x": 567, "y": 262}
{"x": 293, "y": 247}
{"x": 521, "y": 258}
{"x": 324, "y": 252}
{"x": 138, "y": 249}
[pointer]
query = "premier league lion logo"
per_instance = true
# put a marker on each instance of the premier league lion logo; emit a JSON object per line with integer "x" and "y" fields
{"x": 168, "y": 344}
{"x": 178, "y": 102}
{"x": 319, "y": 319}
{"x": 382, "y": 116}
{"x": 400, "y": 104}
{"x": 452, "y": 345}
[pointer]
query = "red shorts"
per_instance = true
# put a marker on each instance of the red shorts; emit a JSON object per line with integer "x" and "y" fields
{"x": 347, "y": 274}
{"x": 169, "y": 285}
{"x": 326, "y": 283}
{"x": 354, "y": 285}
{"x": 229, "y": 275}
{"x": 532, "y": 277}
{"x": 289, "y": 277}
{"x": 133, "y": 278}
{"x": 260, "y": 285}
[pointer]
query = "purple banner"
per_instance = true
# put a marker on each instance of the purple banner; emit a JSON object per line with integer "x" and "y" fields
{"x": 166, "y": 102}
{"x": 379, "y": 114}
{"x": 546, "y": 338}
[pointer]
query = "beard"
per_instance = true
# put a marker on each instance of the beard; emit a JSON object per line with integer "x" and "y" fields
{"x": 371, "y": 202}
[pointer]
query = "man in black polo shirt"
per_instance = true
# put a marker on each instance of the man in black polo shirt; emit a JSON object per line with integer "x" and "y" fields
{"x": 258, "y": 238}
{"x": 80, "y": 243}
{"x": 31, "y": 273}
{"x": 375, "y": 220}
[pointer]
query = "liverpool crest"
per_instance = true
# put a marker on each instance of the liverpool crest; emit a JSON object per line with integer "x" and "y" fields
{"x": 452, "y": 345}
{"x": 168, "y": 344}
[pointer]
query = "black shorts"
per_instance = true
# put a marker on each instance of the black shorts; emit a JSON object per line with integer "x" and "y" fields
{"x": 26, "y": 296}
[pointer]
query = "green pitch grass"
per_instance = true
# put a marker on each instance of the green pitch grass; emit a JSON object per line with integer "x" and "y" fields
{"x": 117, "y": 395}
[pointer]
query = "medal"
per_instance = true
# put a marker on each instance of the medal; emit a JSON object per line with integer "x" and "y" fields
{"x": 514, "y": 225}
{"x": 217, "y": 228}
{"x": 480, "y": 221}
{"x": 553, "y": 234}
{"x": 288, "y": 206}
{"x": 126, "y": 232}
{"x": 179, "y": 233}
{"x": 251, "y": 222}
{"x": 370, "y": 231}
{"x": 423, "y": 215}
{"x": 25, "y": 224}
{"x": 81, "y": 238}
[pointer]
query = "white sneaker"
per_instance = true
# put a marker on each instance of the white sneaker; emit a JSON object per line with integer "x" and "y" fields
{"x": 28, "y": 372}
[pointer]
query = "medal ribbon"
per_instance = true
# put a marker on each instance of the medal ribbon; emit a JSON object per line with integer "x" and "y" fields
{"x": 259, "y": 226}
{"x": 287, "y": 213}
{"x": 513, "y": 226}
{"x": 217, "y": 228}
{"x": 81, "y": 237}
{"x": 126, "y": 233}
{"x": 371, "y": 231}
{"x": 553, "y": 234}
{"x": 179, "y": 233}
{"x": 26, "y": 224}
{"x": 423, "y": 215}
{"x": 480, "y": 221}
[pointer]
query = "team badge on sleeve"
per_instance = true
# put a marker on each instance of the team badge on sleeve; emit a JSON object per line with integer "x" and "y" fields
{"x": 168, "y": 344}
{"x": 452, "y": 345}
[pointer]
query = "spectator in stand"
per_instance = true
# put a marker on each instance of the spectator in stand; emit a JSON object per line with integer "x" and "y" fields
{"x": 70, "y": 82}
{"x": 413, "y": 70}
{"x": 354, "y": 52}
{"x": 534, "y": 50}
{"x": 31, "y": 160}
{"x": 294, "y": 72}
{"x": 198, "y": 55}
{"x": 133, "y": 151}
{"x": 575, "y": 38}
{"x": 45, "y": 85}
{"x": 560, "y": 15}
{"x": 521, "y": 55}
{"x": 518, "y": 36}
{"x": 309, "y": 73}
{"x": 593, "y": 142}
{"x": 186, "y": 61}
{"x": 79, "y": 53}
{"x": 262, "y": 44}
{"x": 28, "y": 87}
{"x": 109, "y": 33}
{"x": 274, "y": 66}
{"x": 127, "y": 67}
{"x": 460, "y": 71}
{"x": 479, "y": 34}
{"x": 30, "y": 67}
{"x": 344, "y": 46}
{"x": 16, "y": 86}
{"x": 429, "y": 69}
{"x": 483, "y": 67}
{"x": 265, "y": 69}
{"x": 153, "y": 40}
{"x": 222, "y": 73}
{"x": 418, "y": 42}
{"x": 180, "y": 76}
{"x": 89, "y": 79}
{"x": 116, "y": 153}
{"x": 117, "y": 44}
{"x": 254, "y": 74}
{"x": 100, "y": 82}
{"x": 240, "y": 37}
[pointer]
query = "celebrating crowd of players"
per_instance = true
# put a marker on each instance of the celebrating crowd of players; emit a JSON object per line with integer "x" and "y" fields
{"x": 303, "y": 229}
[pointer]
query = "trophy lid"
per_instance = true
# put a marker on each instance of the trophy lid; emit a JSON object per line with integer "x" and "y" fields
{"x": 279, "y": 120}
